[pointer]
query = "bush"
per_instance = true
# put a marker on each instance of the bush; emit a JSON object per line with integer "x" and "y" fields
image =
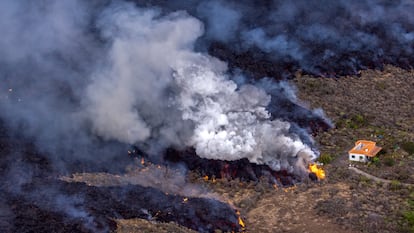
{"x": 409, "y": 147}
{"x": 325, "y": 158}
{"x": 376, "y": 161}
{"x": 353, "y": 122}
{"x": 409, "y": 218}
{"x": 409, "y": 215}
{"x": 395, "y": 185}
{"x": 359, "y": 119}
{"x": 389, "y": 161}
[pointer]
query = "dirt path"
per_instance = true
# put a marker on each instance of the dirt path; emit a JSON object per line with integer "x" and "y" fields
{"x": 369, "y": 176}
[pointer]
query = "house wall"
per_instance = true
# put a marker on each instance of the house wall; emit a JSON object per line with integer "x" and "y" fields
{"x": 358, "y": 157}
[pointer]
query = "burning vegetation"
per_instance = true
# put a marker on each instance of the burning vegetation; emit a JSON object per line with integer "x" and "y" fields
{"x": 318, "y": 171}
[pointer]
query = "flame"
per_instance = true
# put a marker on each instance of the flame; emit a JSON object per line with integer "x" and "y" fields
{"x": 207, "y": 178}
{"x": 142, "y": 161}
{"x": 288, "y": 189}
{"x": 241, "y": 223}
{"x": 319, "y": 172}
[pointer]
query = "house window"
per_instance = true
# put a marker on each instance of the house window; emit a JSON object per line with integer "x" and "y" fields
{"x": 361, "y": 157}
{"x": 353, "y": 156}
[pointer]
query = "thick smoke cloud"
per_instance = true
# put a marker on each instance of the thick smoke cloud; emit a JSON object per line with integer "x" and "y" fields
{"x": 84, "y": 77}
{"x": 47, "y": 55}
{"x": 154, "y": 70}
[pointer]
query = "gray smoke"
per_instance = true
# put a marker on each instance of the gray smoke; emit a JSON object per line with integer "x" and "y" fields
{"x": 320, "y": 37}
{"x": 83, "y": 79}
{"x": 154, "y": 84}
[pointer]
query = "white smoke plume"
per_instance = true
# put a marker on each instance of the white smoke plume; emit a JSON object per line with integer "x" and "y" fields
{"x": 151, "y": 55}
{"x": 232, "y": 122}
{"x": 86, "y": 76}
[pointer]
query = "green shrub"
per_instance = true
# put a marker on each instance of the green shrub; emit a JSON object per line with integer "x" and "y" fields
{"x": 325, "y": 158}
{"x": 409, "y": 218}
{"x": 359, "y": 119}
{"x": 376, "y": 161}
{"x": 409, "y": 214}
{"x": 354, "y": 122}
{"x": 389, "y": 161}
{"x": 340, "y": 123}
{"x": 409, "y": 147}
{"x": 395, "y": 185}
{"x": 352, "y": 125}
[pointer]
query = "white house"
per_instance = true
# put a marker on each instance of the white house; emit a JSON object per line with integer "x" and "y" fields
{"x": 363, "y": 151}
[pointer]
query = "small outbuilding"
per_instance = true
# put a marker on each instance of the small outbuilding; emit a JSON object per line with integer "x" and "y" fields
{"x": 363, "y": 151}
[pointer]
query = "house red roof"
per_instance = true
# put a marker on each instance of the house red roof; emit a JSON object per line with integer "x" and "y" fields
{"x": 365, "y": 147}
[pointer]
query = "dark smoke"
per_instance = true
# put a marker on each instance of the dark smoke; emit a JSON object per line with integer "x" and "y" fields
{"x": 328, "y": 38}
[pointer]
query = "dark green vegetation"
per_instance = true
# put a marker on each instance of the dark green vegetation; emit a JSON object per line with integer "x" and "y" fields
{"x": 325, "y": 158}
{"x": 408, "y": 147}
{"x": 353, "y": 122}
{"x": 409, "y": 214}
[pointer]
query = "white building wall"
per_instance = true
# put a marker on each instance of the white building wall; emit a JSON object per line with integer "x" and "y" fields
{"x": 358, "y": 157}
